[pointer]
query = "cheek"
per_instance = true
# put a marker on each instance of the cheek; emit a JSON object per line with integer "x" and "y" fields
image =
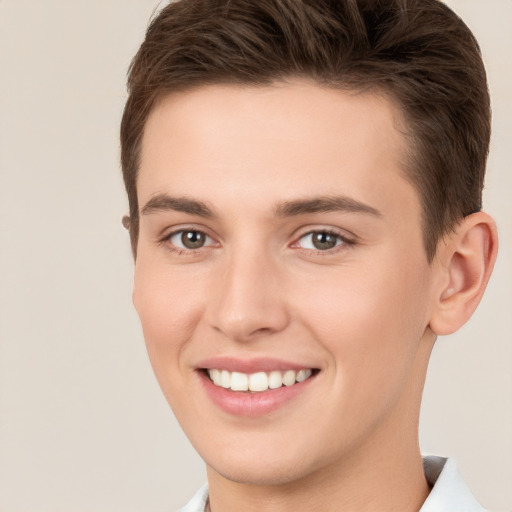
{"x": 169, "y": 307}
{"x": 369, "y": 319}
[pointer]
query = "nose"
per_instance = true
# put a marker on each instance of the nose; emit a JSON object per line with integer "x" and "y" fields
{"x": 249, "y": 299}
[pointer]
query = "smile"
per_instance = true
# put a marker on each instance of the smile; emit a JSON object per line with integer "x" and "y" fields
{"x": 259, "y": 381}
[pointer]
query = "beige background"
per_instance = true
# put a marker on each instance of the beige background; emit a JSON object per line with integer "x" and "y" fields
{"x": 83, "y": 425}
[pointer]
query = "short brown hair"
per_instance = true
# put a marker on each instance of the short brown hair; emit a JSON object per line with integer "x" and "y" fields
{"x": 417, "y": 51}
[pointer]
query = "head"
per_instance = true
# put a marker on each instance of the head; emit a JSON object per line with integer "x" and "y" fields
{"x": 292, "y": 168}
{"x": 417, "y": 52}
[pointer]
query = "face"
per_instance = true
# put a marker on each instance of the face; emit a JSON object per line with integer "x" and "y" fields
{"x": 281, "y": 279}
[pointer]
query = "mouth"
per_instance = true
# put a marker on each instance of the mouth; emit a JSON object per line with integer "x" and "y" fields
{"x": 256, "y": 387}
{"x": 258, "y": 382}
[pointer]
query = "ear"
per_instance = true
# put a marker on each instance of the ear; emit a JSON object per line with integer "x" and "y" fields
{"x": 126, "y": 221}
{"x": 464, "y": 262}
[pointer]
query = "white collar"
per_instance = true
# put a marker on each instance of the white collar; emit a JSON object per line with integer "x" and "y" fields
{"x": 449, "y": 492}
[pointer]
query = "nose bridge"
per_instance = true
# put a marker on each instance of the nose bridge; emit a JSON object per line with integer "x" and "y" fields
{"x": 248, "y": 300}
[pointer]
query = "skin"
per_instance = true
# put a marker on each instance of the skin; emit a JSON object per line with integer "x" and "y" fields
{"x": 365, "y": 313}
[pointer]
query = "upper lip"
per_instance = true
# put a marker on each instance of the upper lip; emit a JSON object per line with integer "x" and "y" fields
{"x": 252, "y": 365}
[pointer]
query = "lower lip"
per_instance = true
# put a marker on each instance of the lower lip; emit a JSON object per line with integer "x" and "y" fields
{"x": 249, "y": 404}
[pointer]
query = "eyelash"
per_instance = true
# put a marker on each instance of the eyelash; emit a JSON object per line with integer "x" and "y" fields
{"x": 344, "y": 242}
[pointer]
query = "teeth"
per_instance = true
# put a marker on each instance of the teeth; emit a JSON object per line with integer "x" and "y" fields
{"x": 302, "y": 375}
{"x": 239, "y": 381}
{"x": 289, "y": 378}
{"x": 215, "y": 376}
{"x": 275, "y": 380}
{"x": 225, "y": 379}
{"x": 257, "y": 382}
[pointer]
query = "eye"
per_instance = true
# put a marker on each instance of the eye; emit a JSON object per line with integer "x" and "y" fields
{"x": 189, "y": 239}
{"x": 321, "y": 240}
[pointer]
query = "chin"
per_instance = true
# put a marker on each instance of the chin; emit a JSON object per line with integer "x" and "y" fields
{"x": 266, "y": 469}
{"x": 260, "y": 474}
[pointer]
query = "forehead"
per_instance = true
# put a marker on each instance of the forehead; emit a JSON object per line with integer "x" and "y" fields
{"x": 287, "y": 139}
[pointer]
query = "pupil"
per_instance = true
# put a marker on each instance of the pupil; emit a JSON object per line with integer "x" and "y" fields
{"x": 324, "y": 241}
{"x": 192, "y": 239}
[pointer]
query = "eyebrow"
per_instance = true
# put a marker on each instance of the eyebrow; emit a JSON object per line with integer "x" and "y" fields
{"x": 324, "y": 204}
{"x": 164, "y": 202}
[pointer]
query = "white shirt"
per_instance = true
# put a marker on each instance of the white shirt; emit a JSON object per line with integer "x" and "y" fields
{"x": 449, "y": 492}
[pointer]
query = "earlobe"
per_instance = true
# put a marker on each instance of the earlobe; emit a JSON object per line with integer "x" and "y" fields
{"x": 465, "y": 267}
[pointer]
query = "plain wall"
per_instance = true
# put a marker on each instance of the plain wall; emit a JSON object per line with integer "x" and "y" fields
{"x": 83, "y": 424}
